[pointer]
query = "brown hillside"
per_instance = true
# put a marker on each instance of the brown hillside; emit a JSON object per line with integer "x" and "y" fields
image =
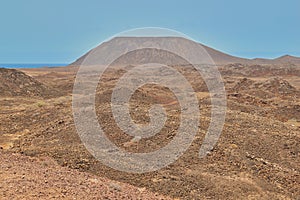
{"x": 17, "y": 83}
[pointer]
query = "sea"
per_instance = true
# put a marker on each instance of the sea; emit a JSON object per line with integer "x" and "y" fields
{"x": 35, "y": 65}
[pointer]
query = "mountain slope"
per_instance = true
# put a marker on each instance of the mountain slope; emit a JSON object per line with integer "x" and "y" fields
{"x": 218, "y": 57}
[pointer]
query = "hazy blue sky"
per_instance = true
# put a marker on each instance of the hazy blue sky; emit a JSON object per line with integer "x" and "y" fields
{"x": 59, "y": 31}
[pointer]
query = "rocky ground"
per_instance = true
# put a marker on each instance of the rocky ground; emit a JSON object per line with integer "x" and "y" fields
{"x": 24, "y": 177}
{"x": 256, "y": 157}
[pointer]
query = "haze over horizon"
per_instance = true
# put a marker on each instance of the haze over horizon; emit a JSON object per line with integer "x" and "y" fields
{"x": 61, "y": 31}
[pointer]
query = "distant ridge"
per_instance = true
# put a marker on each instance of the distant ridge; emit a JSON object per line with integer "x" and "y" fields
{"x": 219, "y": 57}
{"x": 286, "y": 59}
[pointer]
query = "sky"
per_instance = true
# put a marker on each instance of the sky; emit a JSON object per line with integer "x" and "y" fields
{"x": 60, "y": 31}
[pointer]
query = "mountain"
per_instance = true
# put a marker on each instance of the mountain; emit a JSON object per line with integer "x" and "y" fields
{"x": 290, "y": 59}
{"x": 220, "y": 58}
{"x": 279, "y": 60}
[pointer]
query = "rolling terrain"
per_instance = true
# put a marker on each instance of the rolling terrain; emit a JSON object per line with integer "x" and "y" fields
{"x": 256, "y": 157}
